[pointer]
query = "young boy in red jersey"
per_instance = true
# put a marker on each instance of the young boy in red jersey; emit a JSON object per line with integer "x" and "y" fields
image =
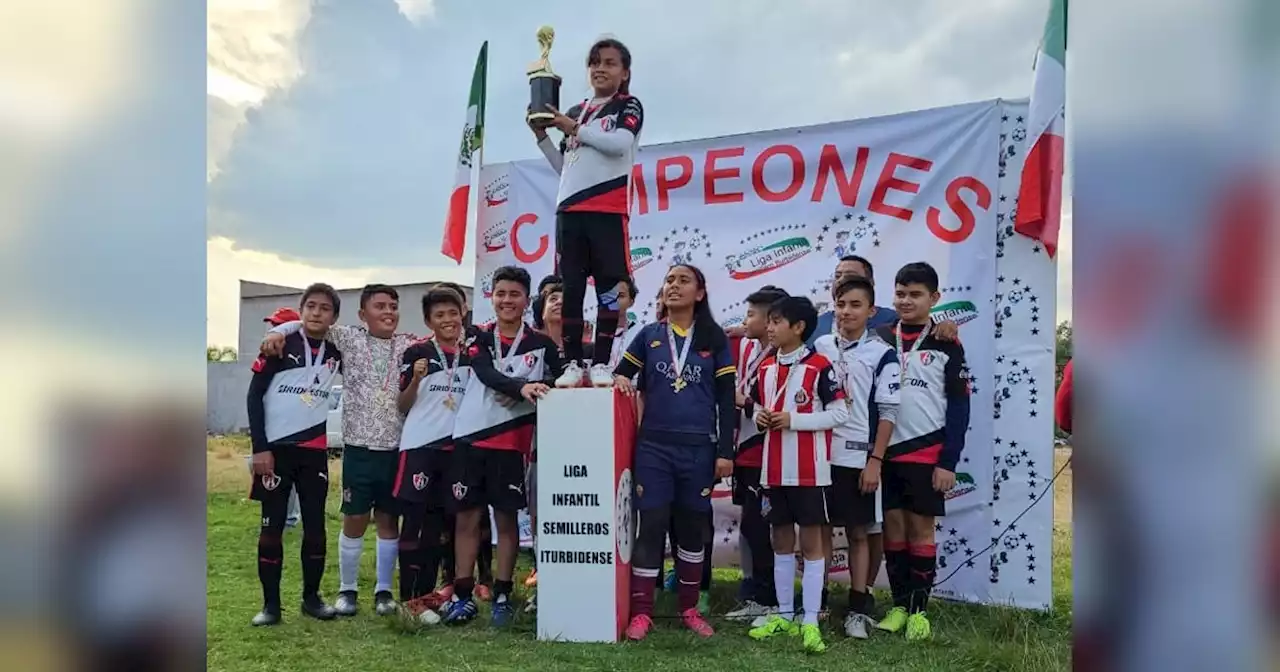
{"x": 928, "y": 436}
{"x": 288, "y": 403}
{"x": 799, "y": 401}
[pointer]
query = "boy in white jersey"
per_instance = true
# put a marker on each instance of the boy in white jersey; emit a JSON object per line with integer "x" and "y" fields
{"x": 595, "y": 161}
{"x": 868, "y": 369}
{"x": 433, "y": 377}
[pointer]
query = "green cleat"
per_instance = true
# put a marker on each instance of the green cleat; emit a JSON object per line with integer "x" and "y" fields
{"x": 704, "y": 603}
{"x": 918, "y": 628}
{"x": 893, "y": 621}
{"x": 812, "y": 637}
{"x": 776, "y": 625}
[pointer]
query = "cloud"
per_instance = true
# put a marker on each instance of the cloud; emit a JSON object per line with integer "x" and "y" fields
{"x": 417, "y": 11}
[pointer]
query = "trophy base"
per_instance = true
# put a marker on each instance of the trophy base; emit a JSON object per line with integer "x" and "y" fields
{"x": 544, "y": 90}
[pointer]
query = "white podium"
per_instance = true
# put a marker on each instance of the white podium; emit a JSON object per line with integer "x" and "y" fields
{"x": 586, "y": 439}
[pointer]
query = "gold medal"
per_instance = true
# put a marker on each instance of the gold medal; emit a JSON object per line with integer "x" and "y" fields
{"x": 308, "y": 399}
{"x": 450, "y": 404}
{"x": 679, "y": 384}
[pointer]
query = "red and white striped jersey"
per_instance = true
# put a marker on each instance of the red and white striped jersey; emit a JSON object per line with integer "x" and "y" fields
{"x": 749, "y": 356}
{"x": 805, "y": 385}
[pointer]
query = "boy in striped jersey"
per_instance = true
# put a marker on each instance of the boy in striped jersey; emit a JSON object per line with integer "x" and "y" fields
{"x": 868, "y": 371}
{"x": 751, "y": 350}
{"x": 798, "y": 402}
{"x": 433, "y": 376}
{"x": 933, "y": 416}
{"x": 288, "y": 403}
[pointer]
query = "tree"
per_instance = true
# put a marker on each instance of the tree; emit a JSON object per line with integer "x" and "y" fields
{"x": 214, "y": 353}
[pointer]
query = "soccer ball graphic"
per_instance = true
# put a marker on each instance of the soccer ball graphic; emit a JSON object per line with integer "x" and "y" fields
{"x": 622, "y": 518}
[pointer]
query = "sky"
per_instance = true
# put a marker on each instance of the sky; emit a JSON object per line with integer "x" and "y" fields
{"x": 333, "y": 125}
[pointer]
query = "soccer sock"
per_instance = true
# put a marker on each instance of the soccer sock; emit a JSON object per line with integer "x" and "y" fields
{"x": 688, "y": 577}
{"x": 463, "y": 587}
{"x": 388, "y": 549}
{"x": 643, "y": 585}
{"x": 923, "y": 563}
{"x": 859, "y": 602}
{"x": 812, "y": 583}
{"x": 606, "y": 326}
{"x": 349, "y": 549}
{"x": 575, "y": 291}
{"x": 895, "y": 564}
{"x": 313, "y": 557}
{"x": 784, "y": 583}
{"x": 429, "y": 554}
{"x": 270, "y": 557}
{"x": 448, "y": 553}
{"x": 410, "y": 545}
{"x": 502, "y": 590}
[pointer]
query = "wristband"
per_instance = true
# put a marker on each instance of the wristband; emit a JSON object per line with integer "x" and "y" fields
{"x": 876, "y": 457}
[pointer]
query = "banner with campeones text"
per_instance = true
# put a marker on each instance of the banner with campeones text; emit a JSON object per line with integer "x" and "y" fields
{"x": 780, "y": 208}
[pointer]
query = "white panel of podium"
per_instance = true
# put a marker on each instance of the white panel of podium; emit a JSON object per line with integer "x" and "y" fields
{"x": 586, "y": 440}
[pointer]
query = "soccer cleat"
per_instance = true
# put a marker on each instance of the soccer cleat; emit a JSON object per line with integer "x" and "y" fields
{"x": 918, "y": 628}
{"x": 483, "y": 592}
{"x": 347, "y": 604}
{"x": 384, "y": 604}
{"x": 893, "y": 621}
{"x": 314, "y": 606}
{"x": 531, "y": 607}
{"x": 572, "y": 376}
{"x": 775, "y": 625}
{"x": 858, "y": 626}
{"x": 696, "y": 623}
{"x": 671, "y": 582}
{"x": 460, "y": 611}
{"x": 503, "y": 612}
{"x": 704, "y": 602}
{"x": 749, "y": 611}
{"x": 291, "y": 521}
{"x": 812, "y": 638}
{"x": 600, "y": 375}
{"x": 445, "y": 592}
{"x": 639, "y": 627}
{"x": 532, "y": 580}
{"x": 268, "y": 616}
{"x": 429, "y": 617}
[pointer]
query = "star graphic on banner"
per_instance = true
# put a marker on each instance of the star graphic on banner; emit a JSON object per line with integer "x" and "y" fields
{"x": 819, "y": 239}
{"x": 1004, "y": 119}
{"x": 1032, "y": 474}
{"x": 1003, "y": 198}
{"x": 862, "y": 218}
{"x": 817, "y": 248}
{"x": 826, "y": 228}
{"x": 999, "y": 440}
{"x": 848, "y": 216}
{"x": 996, "y": 523}
{"x": 1019, "y": 119}
{"x": 835, "y": 220}
{"x": 1031, "y": 464}
{"x": 875, "y": 243}
{"x": 937, "y": 527}
{"x": 1017, "y": 281}
{"x": 1031, "y": 580}
{"x": 1035, "y": 332}
{"x": 1035, "y": 250}
{"x": 969, "y": 563}
{"x": 951, "y": 532}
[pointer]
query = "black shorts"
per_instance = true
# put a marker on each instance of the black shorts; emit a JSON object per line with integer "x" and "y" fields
{"x": 306, "y": 469}
{"x": 746, "y": 485}
{"x": 795, "y": 505}
{"x": 849, "y": 507}
{"x": 487, "y": 477}
{"x": 593, "y": 244}
{"x": 908, "y": 486}
{"x": 423, "y": 477}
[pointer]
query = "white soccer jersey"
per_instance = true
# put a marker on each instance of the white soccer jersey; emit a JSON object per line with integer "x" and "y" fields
{"x": 481, "y": 417}
{"x": 430, "y": 422}
{"x": 868, "y": 370}
{"x": 930, "y": 373}
{"x": 595, "y": 166}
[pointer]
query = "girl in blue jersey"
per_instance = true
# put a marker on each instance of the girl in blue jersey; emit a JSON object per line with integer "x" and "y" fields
{"x": 684, "y": 369}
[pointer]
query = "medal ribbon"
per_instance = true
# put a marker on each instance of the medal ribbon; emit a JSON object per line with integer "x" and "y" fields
{"x": 678, "y": 356}
{"x": 448, "y": 370}
{"x": 497, "y": 344}
{"x": 903, "y": 354}
{"x": 775, "y": 404}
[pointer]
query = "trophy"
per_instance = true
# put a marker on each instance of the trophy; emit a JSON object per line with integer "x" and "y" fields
{"x": 544, "y": 85}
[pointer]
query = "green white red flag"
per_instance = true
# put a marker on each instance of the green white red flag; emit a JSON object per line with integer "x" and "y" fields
{"x": 455, "y": 223}
{"x": 1040, "y": 194}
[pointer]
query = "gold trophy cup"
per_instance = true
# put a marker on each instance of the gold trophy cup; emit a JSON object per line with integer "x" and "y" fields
{"x": 544, "y": 85}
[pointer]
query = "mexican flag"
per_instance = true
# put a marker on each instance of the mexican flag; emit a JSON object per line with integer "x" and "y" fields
{"x": 455, "y": 223}
{"x": 1040, "y": 195}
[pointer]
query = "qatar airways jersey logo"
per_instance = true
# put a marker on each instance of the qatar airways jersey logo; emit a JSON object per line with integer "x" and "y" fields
{"x": 495, "y": 193}
{"x": 762, "y": 259}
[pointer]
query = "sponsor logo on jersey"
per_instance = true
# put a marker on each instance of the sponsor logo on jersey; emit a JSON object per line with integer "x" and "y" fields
{"x": 640, "y": 257}
{"x": 964, "y": 485}
{"x": 765, "y": 258}
{"x": 494, "y": 238}
{"x": 959, "y": 312}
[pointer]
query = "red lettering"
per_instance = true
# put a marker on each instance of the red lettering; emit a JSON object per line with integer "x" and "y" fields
{"x": 710, "y": 173}
{"x": 831, "y": 166}
{"x": 960, "y": 208}
{"x": 888, "y": 180}
{"x": 797, "y": 174}
{"x": 667, "y": 184}
{"x": 543, "y": 240}
{"x": 638, "y": 194}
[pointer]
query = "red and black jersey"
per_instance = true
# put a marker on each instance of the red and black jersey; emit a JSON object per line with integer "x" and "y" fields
{"x": 288, "y": 402}
{"x": 429, "y": 423}
{"x": 595, "y": 166}
{"x": 501, "y": 366}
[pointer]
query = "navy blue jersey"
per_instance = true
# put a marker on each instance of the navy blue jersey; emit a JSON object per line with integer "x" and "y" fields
{"x": 692, "y": 409}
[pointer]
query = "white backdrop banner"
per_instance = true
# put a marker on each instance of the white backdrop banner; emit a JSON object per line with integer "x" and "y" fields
{"x": 780, "y": 208}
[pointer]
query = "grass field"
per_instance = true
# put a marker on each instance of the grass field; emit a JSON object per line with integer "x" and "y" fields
{"x": 966, "y": 637}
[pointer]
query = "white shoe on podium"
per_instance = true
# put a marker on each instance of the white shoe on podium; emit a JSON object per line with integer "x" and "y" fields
{"x": 572, "y": 376}
{"x": 600, "y": 375}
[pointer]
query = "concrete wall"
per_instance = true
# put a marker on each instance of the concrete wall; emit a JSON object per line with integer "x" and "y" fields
{"x": 227, "y": 384}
